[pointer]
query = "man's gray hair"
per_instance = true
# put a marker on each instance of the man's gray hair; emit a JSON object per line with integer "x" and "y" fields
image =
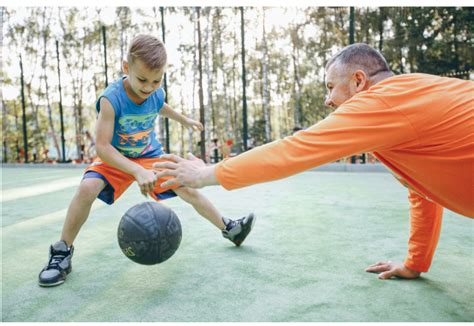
{"x": 360, "y": 56}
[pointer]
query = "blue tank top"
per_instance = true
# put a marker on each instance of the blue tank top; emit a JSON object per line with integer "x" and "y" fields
{"x": 134, "y": 130}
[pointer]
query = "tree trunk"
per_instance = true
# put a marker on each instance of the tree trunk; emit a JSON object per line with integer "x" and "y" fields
{"x": 266, "y": 93}
{"x": 76, "y": 117}
{"x": 244, "y": 82}
{"x": 455, "y": 40}
{"x": 227, "y": 109}
{"x": 214, "y": 61}
{"x": 34, "y": 111}
{"x": 234, "y": 115}
{"x": 77, "y": 102}
{"x": 5, "y": 129}
{"x": 399, "y": 36}
{"x": 161, "y": 120}
{"x": 342, "y": 19}
{"x": 38, "y": 139}
{"x": 366, "y": 27}
{"x": 381, "y": 21}
{"x": 182, "y": 128}
{"x": 297, "y": 82}
{"x": 195, "y": 72}
{"x": 80, "y": 107}
{"x": 210, "y": 116}
{"x": 4, "y": 109}
{"x": 17, "y": 133}
{"x": 123, "y": 14}
{"x": 202, "y": 114}
{"x": 122, "y": 32}
{"x": 45, "y": 78}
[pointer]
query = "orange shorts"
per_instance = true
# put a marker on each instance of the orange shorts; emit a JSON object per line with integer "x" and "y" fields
{"x": 117, "y": 181}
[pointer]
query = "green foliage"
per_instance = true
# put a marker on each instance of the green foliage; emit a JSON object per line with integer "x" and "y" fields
{"x": 436, "y": 40}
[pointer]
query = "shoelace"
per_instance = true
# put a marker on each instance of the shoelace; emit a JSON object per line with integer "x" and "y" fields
{"x": 229, "y": 226}
{"x": 240, "y": 220}
{"x": 55, "y": 261}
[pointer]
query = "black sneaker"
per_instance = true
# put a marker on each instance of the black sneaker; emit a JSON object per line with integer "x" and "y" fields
{"x": 236, "y": 231}
{"x": 59, "y": 265}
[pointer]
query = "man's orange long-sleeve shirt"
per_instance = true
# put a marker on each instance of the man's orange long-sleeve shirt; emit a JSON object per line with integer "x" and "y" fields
{"x": 420, "y": 126}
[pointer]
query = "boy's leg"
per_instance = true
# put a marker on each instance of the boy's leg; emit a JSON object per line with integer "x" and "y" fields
{"x": 60, "y": 253}
{"x": 80, "y": 207}
{"x": 202, "y": 205}
{"x": 234, "y": 230}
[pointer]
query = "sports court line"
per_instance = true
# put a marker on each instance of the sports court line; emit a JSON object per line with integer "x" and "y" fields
{"x": 31, "y": 180}
{"x": 36, "y": 190}
{"x": 40, "y": 221}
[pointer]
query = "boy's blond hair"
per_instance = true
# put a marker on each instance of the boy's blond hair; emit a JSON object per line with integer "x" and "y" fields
{"x": 149, "y": 50}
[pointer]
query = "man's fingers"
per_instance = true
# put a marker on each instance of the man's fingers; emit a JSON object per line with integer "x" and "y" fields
{"x": 389, "y": 269}
{"x": 386, "y": 275}
{"x": 166, "y": 173}
{"x": 166, "y": 165}
{"x": 169, "y": 183}
{"x": 192, "y": 157}
{"x": 379, "y": 263}
{"x": 159, "y": 165}
{"x": 171, "y": 157}
{"x": 371, "y": 267}
{"x": 378, "y": 268}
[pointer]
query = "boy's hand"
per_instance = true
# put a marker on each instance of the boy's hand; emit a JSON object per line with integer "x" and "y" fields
{"x": 193, "y": 124}
{"x": 388, "y": 269}
{"x": 146, "y": 180}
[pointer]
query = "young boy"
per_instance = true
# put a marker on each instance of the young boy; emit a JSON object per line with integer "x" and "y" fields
{"x": 127, "y": 147}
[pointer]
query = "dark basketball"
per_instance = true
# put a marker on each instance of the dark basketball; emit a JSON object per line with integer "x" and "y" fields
{"x": 149, "y": 233}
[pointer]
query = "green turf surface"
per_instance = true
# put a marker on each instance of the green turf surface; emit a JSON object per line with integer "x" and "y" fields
{"x": 21, "y": 177}
{"x": 304, "y": 261}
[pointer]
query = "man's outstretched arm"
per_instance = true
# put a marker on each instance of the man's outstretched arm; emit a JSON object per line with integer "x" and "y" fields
{"x": 191, "y": 172}
{"x": 344, "y": 132}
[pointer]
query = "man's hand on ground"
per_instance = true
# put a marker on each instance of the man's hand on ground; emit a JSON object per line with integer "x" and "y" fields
{"x": 389, "y": 269}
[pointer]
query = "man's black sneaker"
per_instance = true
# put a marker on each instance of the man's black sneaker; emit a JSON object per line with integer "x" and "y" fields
{"x": 236, "y": 231}
{"x": 59, "y": 265}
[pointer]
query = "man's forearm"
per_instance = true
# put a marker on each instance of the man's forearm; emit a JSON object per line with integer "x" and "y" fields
{"x": 425, "y": 227}
{"x": 208, "y": 176}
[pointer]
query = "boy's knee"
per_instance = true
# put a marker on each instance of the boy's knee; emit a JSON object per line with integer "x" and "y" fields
{"x": 89, "y": 189}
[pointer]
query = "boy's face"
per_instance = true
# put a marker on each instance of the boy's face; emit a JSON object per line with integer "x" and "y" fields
{"x": 143, "y": 81}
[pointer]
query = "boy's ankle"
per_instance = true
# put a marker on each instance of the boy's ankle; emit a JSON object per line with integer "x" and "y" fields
{"x": 228, "y": 223}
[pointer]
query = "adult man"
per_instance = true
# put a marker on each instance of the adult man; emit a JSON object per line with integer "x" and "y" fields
{"x": 420, "y": 126}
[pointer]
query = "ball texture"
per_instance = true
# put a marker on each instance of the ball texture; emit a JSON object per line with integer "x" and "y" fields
{"x": 149, "y": 233}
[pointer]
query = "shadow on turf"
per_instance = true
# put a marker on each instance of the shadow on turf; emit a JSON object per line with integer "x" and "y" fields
{"x": 241, "y": 250}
